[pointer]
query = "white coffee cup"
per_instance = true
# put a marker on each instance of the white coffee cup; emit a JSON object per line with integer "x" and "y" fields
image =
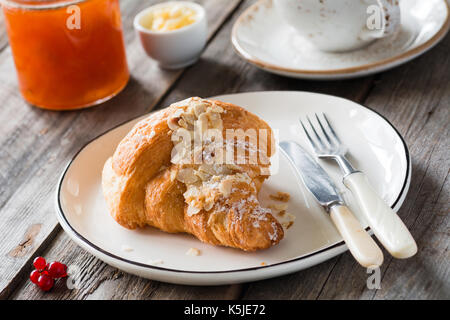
{"x": 341, "y": 25}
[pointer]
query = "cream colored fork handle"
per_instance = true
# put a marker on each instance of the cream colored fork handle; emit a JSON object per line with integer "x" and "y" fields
{"x": 385, "y": 223}
{"x": 361, "y": 245}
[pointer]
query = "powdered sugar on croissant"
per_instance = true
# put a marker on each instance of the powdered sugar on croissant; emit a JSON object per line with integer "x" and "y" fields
{"x": 195, "y": 167}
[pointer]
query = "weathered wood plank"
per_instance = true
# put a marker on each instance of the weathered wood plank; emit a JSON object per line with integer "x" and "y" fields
{"x": 3, "y": 36}
{"x": 422, "y": 96}
{"x": 36, "y": 144}
{"x": 96, "y": 280}
{"x": 416, "y": 99}
{"x": 219, "y": 71}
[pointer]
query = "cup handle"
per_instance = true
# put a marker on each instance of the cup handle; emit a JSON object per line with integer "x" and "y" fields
{"x": 390, "y": 19}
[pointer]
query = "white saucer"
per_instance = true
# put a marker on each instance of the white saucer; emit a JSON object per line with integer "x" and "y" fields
{"x": 263, "y": 39}
{"x": 376, "y": 148}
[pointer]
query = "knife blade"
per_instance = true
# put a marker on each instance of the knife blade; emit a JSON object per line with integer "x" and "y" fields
{"x": 313, "y": 175}
{"x": 318, "y": 182}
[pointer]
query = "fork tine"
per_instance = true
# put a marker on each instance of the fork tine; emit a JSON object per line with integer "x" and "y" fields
{"x": 324, "y": 131}
{"x": 319, "y": 140}
{"x": 335, "y": 136}
{"x": 308, "y": 136}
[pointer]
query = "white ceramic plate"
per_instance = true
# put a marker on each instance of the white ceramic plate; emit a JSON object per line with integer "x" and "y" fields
{"x": 375, "y": 146}
{"x": 263, "y": 39}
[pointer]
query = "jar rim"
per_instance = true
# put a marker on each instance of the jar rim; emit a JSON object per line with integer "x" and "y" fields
{"x": 38, "y": 5}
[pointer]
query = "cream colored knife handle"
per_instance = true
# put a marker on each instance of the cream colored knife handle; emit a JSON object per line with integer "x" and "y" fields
{"x": 385, "y": 223}
{"x": 360, "y": 244}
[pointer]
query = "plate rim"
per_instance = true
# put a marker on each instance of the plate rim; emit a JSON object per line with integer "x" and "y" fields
{"x": 72, "y": 231}
{"x": 369, "y": 67}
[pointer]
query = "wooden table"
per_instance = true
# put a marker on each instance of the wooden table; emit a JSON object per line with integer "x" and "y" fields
{"x": 36, "y": 145}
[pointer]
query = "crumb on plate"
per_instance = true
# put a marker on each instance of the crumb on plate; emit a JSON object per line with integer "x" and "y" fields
{"x": 278, "y": 206}
{"x": 288, "y": 220}
{"x": 281, "y": 196}
{"x": 286, "y": 225}
{"x": 193, "y": 252}
{"x": 155, "y": 262}
{"x": 127, "y": 248}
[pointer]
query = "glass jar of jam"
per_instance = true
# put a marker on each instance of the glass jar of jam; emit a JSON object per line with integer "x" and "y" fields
{"x": 68, "y": 54}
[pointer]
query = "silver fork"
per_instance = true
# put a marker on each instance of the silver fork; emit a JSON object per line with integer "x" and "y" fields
{"x": 385, "y": 223}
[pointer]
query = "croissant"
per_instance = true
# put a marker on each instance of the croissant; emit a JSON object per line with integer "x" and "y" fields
{"x": 162, "y": 176}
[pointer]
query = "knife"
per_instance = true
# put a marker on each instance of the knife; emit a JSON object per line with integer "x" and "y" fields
{"x": 317, "y": 181}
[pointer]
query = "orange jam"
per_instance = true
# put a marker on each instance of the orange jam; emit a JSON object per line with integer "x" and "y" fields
{"x": 68, "y": 54}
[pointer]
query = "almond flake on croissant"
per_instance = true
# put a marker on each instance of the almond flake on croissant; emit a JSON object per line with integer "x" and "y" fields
{"x": 192, "y": 168}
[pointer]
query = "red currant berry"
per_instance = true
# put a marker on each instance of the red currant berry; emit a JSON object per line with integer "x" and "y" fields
{"x": 34, "y": 276}
{"x": 39, "y": 263}
{"x": 57, "y": 270}
{"x": 45, "y": 282}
